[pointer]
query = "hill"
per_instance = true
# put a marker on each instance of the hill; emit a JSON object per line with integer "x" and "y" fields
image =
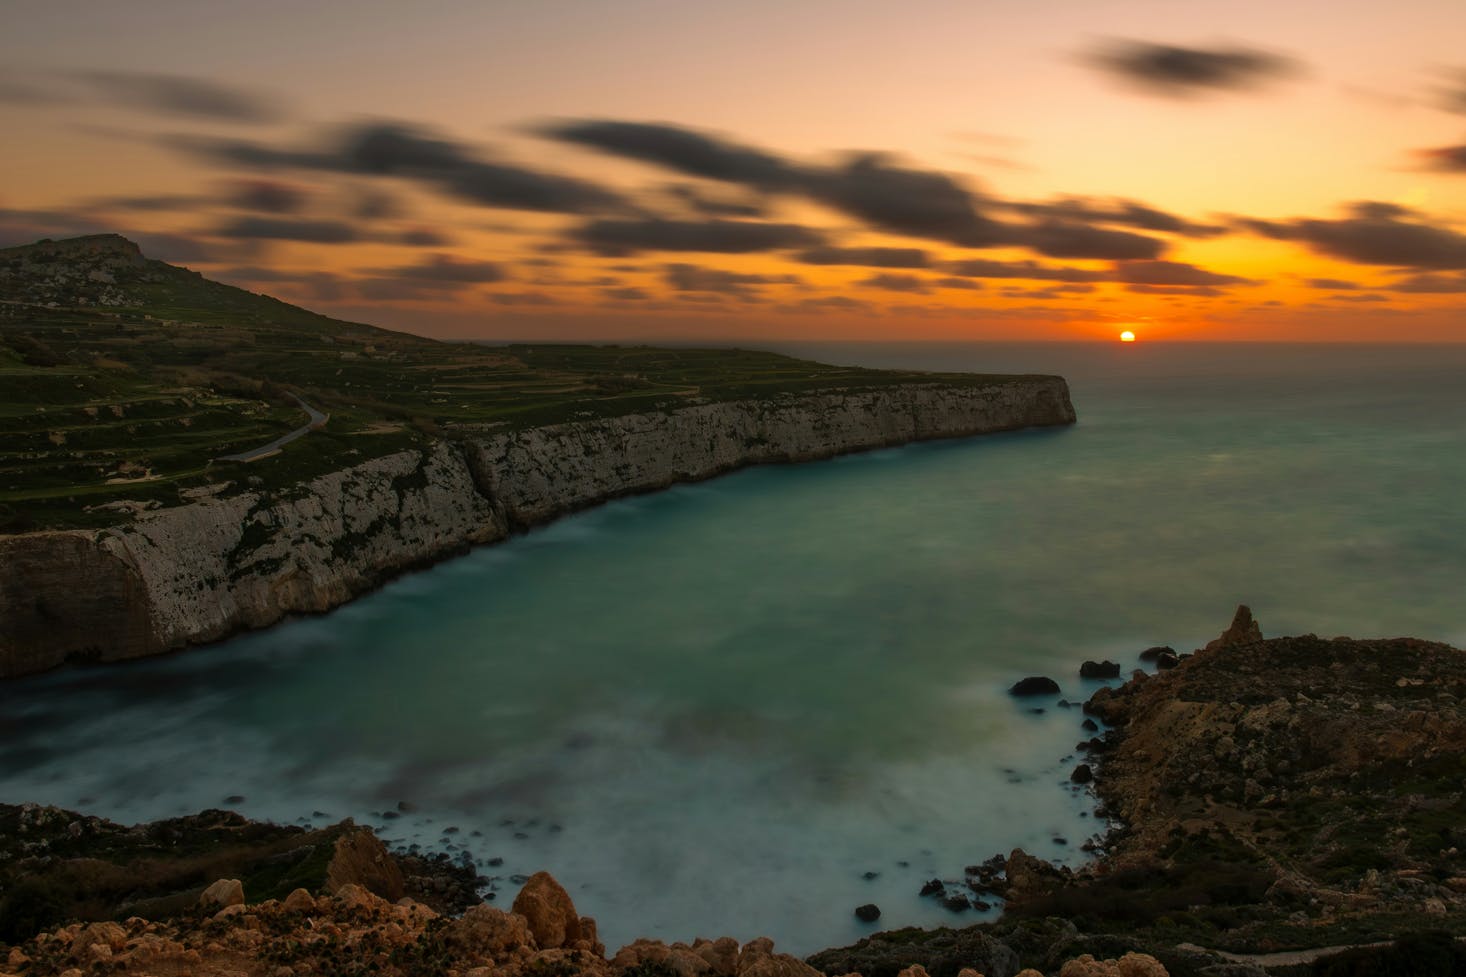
{"x": 127, "y": 379}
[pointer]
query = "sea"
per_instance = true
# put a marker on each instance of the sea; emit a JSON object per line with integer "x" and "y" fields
{"x": 747, "y": 706}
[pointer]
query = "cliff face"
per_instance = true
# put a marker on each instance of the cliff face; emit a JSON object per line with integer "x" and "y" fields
{"x": 198, "y": 572}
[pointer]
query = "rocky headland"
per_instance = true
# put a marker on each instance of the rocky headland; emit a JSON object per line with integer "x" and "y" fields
{"x": 1286, "y": 806}
{"x": 241, "y": 559}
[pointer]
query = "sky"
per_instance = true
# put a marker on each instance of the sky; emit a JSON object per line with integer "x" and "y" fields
{"x": 645, "y": 169}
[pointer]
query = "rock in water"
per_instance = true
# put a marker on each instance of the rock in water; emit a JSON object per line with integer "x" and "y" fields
{"x": 551, "y": 914}
{"x": 1034, "y": 685}
{"x": 1244, "y": 631}
{"x": 361, "y": 859}
{"x": 1082, "y": 774}
{"x": 868, "y": 913}
{"x": 1151, "y": 654}
{"x": 1104, "y": 669}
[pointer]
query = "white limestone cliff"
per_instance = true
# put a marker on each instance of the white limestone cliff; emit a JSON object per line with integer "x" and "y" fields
{"x": 199, "y": 572}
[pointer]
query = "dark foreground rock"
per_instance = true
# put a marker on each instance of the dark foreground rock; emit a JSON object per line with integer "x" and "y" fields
{"x": 868, "y": 913}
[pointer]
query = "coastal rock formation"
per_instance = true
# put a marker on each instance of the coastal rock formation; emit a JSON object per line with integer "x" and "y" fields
{"x": 1299, "y": 785}
{"x": 198, "y": 572}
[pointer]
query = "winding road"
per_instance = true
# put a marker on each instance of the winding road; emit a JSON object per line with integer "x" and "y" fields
{"x": 317, "y": 421}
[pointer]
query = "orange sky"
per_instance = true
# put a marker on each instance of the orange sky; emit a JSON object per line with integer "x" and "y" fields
{"x": 1012, "y": 169}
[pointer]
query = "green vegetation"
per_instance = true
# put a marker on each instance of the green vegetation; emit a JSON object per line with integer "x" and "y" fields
{"x": 126, "y": 379}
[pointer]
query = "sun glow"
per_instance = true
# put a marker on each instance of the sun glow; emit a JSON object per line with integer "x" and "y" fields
{"x": 1127, "y": 336}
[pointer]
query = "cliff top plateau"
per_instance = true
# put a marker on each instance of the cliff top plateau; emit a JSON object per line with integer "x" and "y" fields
{"x": 124, "y": 378}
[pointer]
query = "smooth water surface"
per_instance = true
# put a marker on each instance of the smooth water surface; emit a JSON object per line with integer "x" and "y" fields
{"x": 712, "y": 710}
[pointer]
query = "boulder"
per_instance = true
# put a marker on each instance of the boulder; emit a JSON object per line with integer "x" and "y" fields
{"x": 1151, "y": 654}
{"x": 868, "y": 913}
{"x": 489, "y": 932}
{"x": 222, "y": 894}
{"x": 300, "y": 901}
{"x": 933, "y": 887}
{"x": 758, "y": 959}
{"x": 1165, "y": 662}
{"x": 721, "y": 954}
{"x": 1243, "y": 631}
{"x": 1104, "y": 669}
{"x": 1034, "y": 685}
{"x": 546, "y": 906}
{"x": 1082, "y": 774}
{"x": 361, "y": 859}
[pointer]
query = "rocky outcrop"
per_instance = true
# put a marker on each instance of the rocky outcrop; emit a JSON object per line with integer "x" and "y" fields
{"x": 199, "y": 572}
{"x": 361, "y": 859}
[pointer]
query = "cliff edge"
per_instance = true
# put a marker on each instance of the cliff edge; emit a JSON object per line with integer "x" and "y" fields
{"x": 198, "y": 572}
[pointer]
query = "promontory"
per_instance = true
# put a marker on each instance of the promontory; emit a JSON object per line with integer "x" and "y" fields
{"x": 181, "y": 459}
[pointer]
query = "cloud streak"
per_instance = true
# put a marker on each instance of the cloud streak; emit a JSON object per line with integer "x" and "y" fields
{"x": 1184, "y": 72}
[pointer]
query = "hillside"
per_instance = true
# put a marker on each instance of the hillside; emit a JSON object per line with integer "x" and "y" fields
{"x": 125, "y": 378}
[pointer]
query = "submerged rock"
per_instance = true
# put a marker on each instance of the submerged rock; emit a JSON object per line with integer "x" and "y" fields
{"x": 1104, "y": 669}
{"x": 1034, "y": 685}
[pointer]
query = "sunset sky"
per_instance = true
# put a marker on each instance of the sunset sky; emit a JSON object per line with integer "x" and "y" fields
{"x": 646, "y": 169}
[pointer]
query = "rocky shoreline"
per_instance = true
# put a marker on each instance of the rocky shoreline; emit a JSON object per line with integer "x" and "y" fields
{"x": 239, "y": 558}
{"x": 1267, "y": 795}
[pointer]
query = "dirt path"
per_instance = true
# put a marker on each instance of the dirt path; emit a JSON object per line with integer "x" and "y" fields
{"x": 317, "y": 420}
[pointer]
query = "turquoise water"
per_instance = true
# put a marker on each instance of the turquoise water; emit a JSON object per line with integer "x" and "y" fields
{"x": 714, "y": 709}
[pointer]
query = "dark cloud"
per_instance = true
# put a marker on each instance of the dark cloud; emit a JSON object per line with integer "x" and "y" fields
{"x": 404, "y": 289}
{"x": 289, "y": 229}
{"x": 446, "y": 269}
{"x": 1368, "y": 298}
{"x": 1032, "y": 270}
{"x": 626, "y": 294}
{"x": 1126, "y": 213}
{"x": 1169, "y": 69}
{"x": 1431, "y": 284}
{"x": 1445, "y": 159}
{"x": 1062, "y": 239}
{"x": 705, "y": 205}
{"x": 967, "y": 284}
{"x": 376, "y": 204}
{"x": 156, "y": 203}
{"x": 865, "y": 257}
{"x": 680, "y": 149}
{"x": 522, "y": 298}
{"x": 900, "y": 200}
{"x": 409, "y": 153}
{"x": 898, "y": 283}
{"x": 887, "y": 195}
{"x": 423, "y": 237}
{"x": 868, "y": 186}
{"x": 839, "y": 303}
{"x": 1172, "y": 273}
{"x": 1146, "y": 289}
{"x": 1333, "y": 284}
{"x": 623, "y": 237}
{"x": 692, "y": 278}
{"x": 179, "y": 95}
{"x": 321, "y": 286}
{"x": 1373, "y": 233}
{"x": 268, "y": 196}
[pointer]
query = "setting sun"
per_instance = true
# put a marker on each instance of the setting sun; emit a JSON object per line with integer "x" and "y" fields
{"x": 1127, "y": 336}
